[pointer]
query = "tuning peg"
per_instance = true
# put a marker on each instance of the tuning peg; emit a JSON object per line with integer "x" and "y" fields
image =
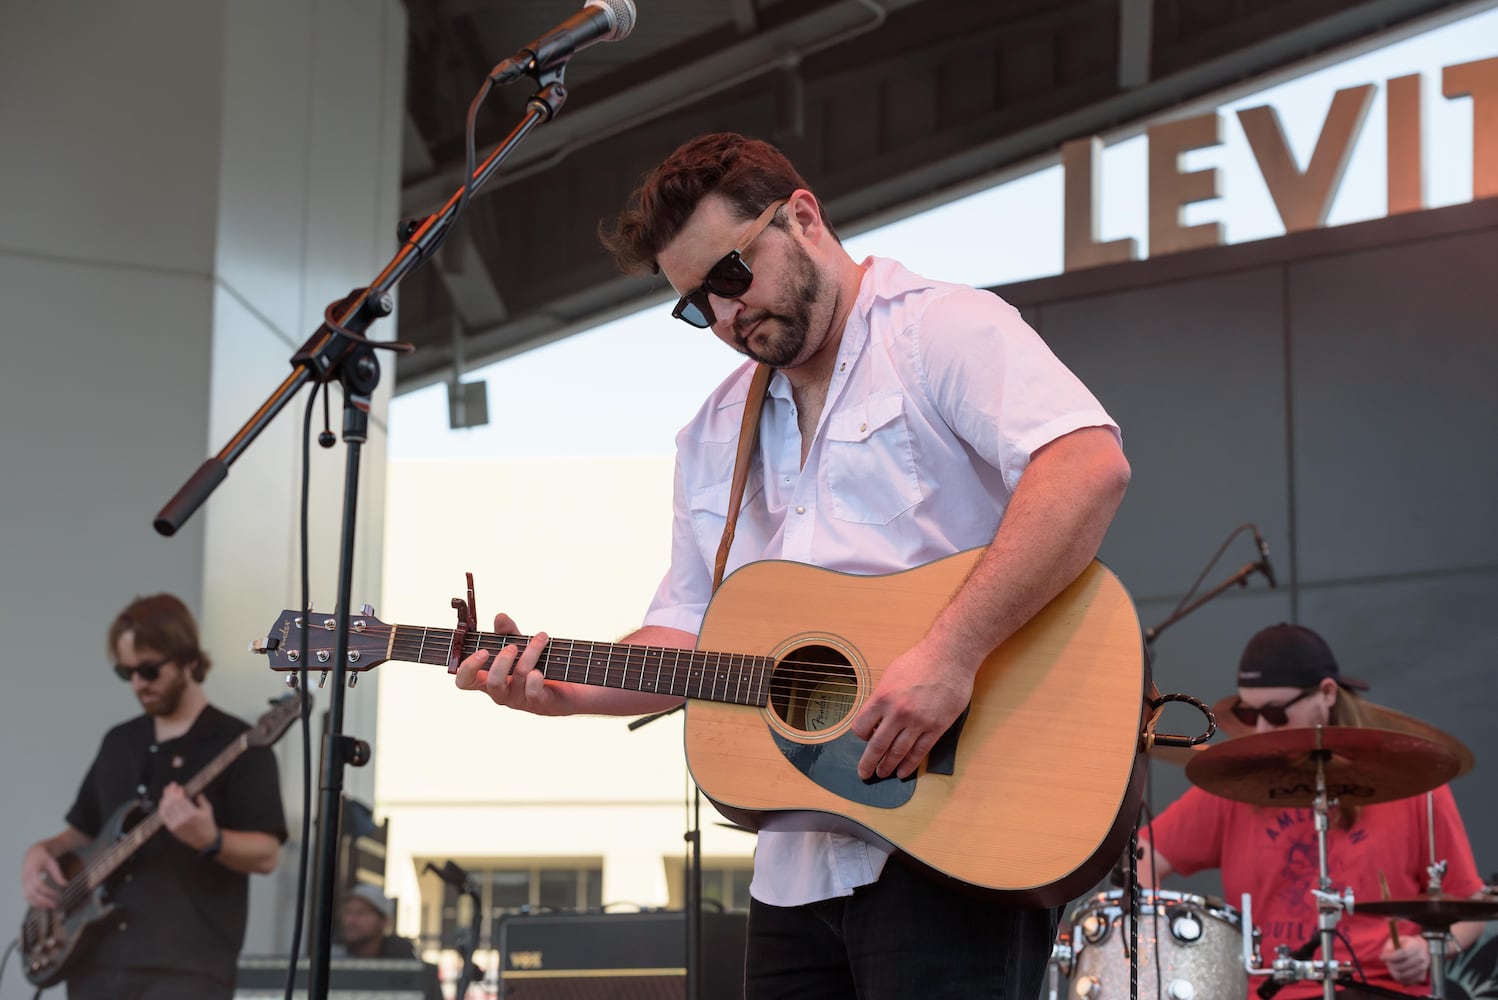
{"x": 293, "y": 681}
{"x": 367, "y": 610}
{"x": 353, "y": 679}
{"x": 322, "y": 678}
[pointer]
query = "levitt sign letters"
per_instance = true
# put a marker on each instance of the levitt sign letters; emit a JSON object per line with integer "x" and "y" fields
{"x": 1302, "y": 197}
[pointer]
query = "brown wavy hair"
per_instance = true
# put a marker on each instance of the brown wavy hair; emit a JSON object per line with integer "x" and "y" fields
{"x": 749, "y": 173}
{"x": 162, "y": 623}
{"x": 1347, "y": 710}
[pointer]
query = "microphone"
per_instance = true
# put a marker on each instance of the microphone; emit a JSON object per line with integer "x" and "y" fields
{"x": 598, "y": 21}
{"x": 1269, "y": 987}
{"x": 1264, "y": 566}
{"x": 451, "y": 874}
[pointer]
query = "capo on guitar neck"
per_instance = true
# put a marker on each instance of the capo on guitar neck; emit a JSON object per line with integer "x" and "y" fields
{"x": 467, "y": 622}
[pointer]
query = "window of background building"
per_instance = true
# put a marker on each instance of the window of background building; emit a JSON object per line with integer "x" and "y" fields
{"x": 725, "y": 884}
{"x": 509, "y": 887}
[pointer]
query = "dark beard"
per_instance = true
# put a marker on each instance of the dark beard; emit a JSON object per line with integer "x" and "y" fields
{"x": 785, "y": 346}
{"x": 169, "y": 698}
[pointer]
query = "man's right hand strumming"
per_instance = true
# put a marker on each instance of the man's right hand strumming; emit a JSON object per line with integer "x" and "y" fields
{"x": 41, "y": 875}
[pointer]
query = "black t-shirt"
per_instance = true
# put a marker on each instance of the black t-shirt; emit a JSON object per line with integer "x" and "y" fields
{"x": 176, "y": 908}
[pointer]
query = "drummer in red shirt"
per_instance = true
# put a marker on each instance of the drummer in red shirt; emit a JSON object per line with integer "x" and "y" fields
{"x": 1288, "y": 677}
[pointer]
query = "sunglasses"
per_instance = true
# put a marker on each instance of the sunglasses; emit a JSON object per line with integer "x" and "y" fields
{"x": 148, "y": 671}
{"x": 1273, "y": 714}
{"x": 729, "y": 278}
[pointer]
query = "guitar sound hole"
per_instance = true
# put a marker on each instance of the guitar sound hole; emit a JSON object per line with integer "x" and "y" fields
{"x": 813, "y": 688}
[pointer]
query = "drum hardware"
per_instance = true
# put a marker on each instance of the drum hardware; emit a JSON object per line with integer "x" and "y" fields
{"x": 1319, "y": 767}
{"x": 1060, "y": 963}
{"x": 1288, "y": 966}
{"x": 1435, "y": 913}
{"x": 1191, "y": 940}
{"x": 1362, "y": 765}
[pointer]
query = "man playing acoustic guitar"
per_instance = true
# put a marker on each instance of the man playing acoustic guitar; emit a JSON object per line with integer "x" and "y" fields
{"x": 906, "y": 420}
{"x": 182, "y": 900}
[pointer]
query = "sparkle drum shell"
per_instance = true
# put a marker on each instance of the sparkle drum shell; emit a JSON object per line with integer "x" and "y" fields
{"x": 1197, "y": 939}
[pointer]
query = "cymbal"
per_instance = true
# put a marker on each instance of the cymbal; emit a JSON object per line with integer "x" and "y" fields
{"x": 1362, "y": 766}
{"x": 1432, "y": 911}
{"x": 1375, "y": 716}
{"x": 1179, "y": 756}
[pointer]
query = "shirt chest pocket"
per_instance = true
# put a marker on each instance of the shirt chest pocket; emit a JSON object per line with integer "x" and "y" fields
{"x": 709, "y": 511}
{"x": 871, "y": 474}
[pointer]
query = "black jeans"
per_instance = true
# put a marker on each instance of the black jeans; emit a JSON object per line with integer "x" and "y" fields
{"x": 905, "y": 936}
{"x": 144, "y": 984}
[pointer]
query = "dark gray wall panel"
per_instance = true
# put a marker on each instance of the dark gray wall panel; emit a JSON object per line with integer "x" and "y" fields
{"x": 1395, "y": 361}
{"x": 1194, "y": 373}
{"x": 1429, "y": 647}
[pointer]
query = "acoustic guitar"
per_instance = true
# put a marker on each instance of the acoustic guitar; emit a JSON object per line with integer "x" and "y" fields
{"x": 1030, "y": 795}
{"x": 51, "y": 939}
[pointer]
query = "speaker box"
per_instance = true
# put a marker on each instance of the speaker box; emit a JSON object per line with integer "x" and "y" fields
{"x": 617, "y": 956}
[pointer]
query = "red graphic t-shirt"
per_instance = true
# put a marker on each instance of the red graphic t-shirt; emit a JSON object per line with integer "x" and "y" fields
{"x": 1271, "y": 854}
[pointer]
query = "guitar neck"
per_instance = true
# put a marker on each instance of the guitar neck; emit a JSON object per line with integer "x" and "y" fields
{"x": 108, "y": 861}
{"x": 733, "y": 678}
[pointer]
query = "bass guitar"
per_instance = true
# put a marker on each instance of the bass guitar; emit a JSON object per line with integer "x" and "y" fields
{"x": 1030, "y": 795}
{"x": 51, "y": 939}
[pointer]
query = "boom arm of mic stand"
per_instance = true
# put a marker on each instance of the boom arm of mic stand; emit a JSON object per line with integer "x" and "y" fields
{"x": 322, "y": 355}
{"x": 1239, "y": 579}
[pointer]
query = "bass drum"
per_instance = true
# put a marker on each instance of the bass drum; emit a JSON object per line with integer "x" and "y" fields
{"x": 1194, "y": 942}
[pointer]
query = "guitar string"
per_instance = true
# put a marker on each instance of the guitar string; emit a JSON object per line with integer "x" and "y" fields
{"x": 635, "y": 658}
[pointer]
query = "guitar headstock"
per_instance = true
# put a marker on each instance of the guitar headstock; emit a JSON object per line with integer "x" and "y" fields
{"x": 273, "y": 724}
{"x": 368, "y": 642}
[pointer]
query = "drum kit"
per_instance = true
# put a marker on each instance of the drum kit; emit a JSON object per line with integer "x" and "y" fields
{"x": 1193, "y": 947}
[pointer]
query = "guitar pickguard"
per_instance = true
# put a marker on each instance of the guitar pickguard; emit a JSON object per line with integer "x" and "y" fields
{"x": 834, "y": 766}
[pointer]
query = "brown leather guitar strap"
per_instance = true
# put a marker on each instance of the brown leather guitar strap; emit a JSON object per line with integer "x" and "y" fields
{"x": 748, "y": 436}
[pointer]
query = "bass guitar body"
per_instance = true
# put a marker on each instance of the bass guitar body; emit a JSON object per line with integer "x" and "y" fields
{"x": 51, "y": 938}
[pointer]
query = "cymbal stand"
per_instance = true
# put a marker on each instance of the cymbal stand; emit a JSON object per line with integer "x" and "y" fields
{"x": 1329, "y": 905}
{"x": 1295, "y": 967}
{"x": 1435, "y": 937}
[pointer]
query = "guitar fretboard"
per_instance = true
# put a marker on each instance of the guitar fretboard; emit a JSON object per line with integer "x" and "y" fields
{"x": 734, "y": 678}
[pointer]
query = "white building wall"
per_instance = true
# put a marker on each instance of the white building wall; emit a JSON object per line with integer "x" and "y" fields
{"x": 573, "y": 547}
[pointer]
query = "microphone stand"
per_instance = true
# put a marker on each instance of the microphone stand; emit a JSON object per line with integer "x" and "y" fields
{"x": 338, "y": 350}
{"x": 468, "y": 939}
{"x": 1240, "y": 578}
{"x": 693, "y": 901}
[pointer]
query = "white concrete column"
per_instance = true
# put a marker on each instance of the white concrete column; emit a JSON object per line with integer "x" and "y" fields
{"x": 184, "y": 186}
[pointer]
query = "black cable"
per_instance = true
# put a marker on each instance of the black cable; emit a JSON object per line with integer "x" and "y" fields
{"x": 5, "y": 959}
{"x": 1133, "y": 891}
{"x": 1362, "y": 977}
{"x": 302, "y": 681}
{"x": 1149, "y": 823}
{"x": 1191, "y": 592}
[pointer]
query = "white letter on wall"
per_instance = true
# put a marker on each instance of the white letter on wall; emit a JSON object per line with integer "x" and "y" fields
{"x": 1079, "y": 168}
{"x": 1406, "y": 145}
{"x": 1171, "y": 190}
{"x": 1304, "y": 199}
{"x": 1479, "y": 80}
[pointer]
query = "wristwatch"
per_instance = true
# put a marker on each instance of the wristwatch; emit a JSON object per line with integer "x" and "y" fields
{"x": 214, "y": 846}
